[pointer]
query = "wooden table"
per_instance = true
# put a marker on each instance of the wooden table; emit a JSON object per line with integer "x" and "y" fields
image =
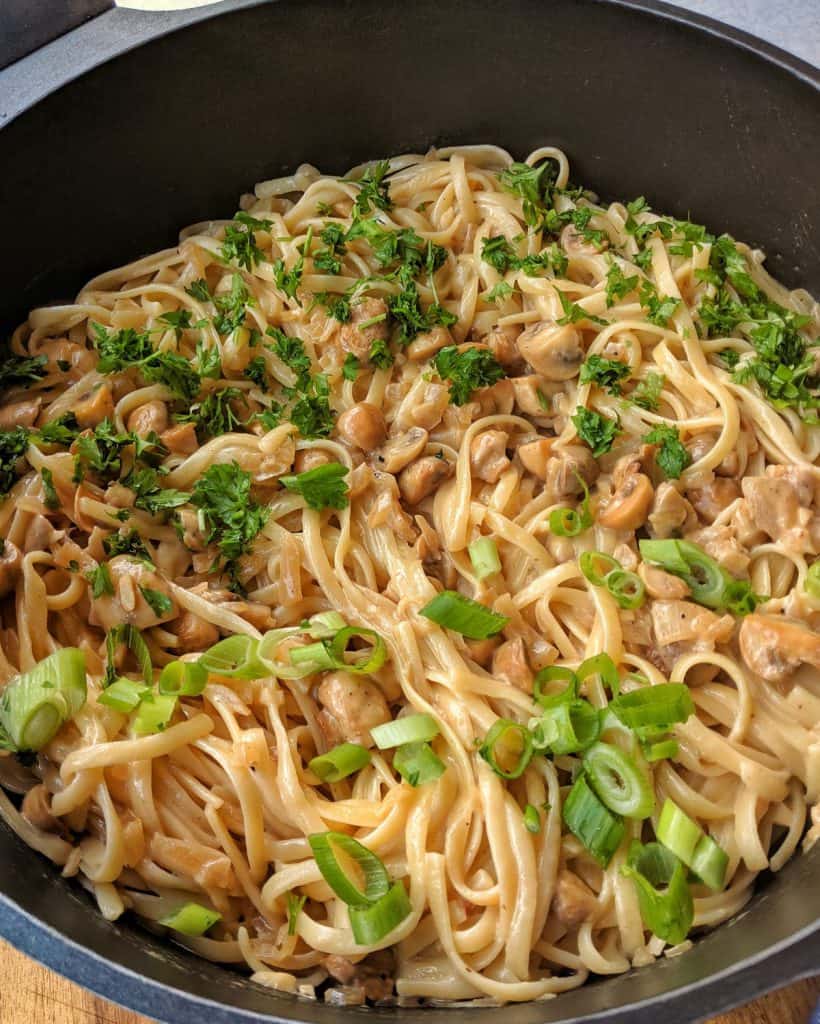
{"x": 30, "y": 994}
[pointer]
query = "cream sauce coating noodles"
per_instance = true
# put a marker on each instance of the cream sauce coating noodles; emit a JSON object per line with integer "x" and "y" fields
{"x": 478, "y": 345}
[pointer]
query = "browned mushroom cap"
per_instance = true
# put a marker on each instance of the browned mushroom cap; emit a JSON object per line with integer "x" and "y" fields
{"x": 152, "y": 416}
{"x": 95, "y": 407}
{"x": 628, "y": 507}
{"x": 774, "y": 646}
{"x": 418, "y": 480}
{"x": 552, "y": 350}
{"x": 363, "y": 426}
{"x": 399, "y": 451}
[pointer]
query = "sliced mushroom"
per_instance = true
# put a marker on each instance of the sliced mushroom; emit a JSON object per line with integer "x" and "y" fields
{"x": 501, "y": 341}
{"x": 309, "y": 458}
{"x": 535, "y": 456}
{"x": 569, "y": 469}
{"x": 628, "y": 507}
{"x": 425, "y": 345}
{"x": 401, "y": 450}
{"x": 94, "y": 408}
{"x": 64, "y": 356}
{"x": 774, "y": 646}
{"x": 510, "y": 661}
{"x": 671, "y": 514}
{"x": 20, "y": 414}
{"x": 573, "y": 243}
{"x": 152, "y": 417}
{"x": 193, "y": 633}
{"x": 488, "y": 455}
{"x": 714, "y": 497}
{"x": 532, "y": 395}
{"x": 418, "y": 480}
{"x": 662, "y": 585}
{"x": 554, "y": 350}
{"x": 363, "y": 426}
{"x": 180, "y": 439}
{"x": 131, "y": 579}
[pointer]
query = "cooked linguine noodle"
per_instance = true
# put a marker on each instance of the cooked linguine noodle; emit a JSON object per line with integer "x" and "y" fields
{"x": 303, "y": 420}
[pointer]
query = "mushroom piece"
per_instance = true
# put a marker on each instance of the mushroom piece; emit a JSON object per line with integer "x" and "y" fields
{"x": 351, "y": 707}
{"x": 574, "y": 902}
{"x": 501, "y": 341}
{"x": 426, "y": 344}
{"x": 488, "y": 455}
{"x": 399, "y": 451}
{"x": 418, "y": 480}
{"x": 20, "y": 414}
{"x": 363, "y": 426}
{"x": 64, "y": 356}
{"x": 131, "y": 579}
{"x": 180, "y": 439}
{"x": 569, "y": 469}
{"x": 671, "y": 513}
{"x": 510, "y": 661}
{"x": 95, "y": 407}
{"x": 628, "y": 507}
{"x": 531, "y": 395}
{"x": 714, "y": 497}
{"x": 662, "y": 586}
{"x": 553, "y": 350}
{"x": 193, "y": 633}
{"x": 774, "y": 646}
{"x": 152, "y": 417}
{"x": 535, "y": 456}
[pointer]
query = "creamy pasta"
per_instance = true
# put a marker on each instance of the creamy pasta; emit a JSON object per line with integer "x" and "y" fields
{"x": 432, "y": 554}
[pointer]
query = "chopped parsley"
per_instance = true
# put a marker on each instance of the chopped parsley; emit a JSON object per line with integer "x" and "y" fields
{"x": 291, "y": 350}
{"x": 606, "y": 373}
{"x": 647, "y": 392}
{"x": 329, "y": 259}
{"x": 240, "y": 241}
{"x": 288, "y": 281}
{"x": 533, "y": 185}
{"x": 102, "y": 450}
{"x": 321, "y": 487}
{"x": 100, "y": 580}
{"x": 730, "y": 357}
{"x": 129, "y": 543}
{"x": 208, "y": 361}
{"x": 311, "y": 414}
{"x": 214, "y": 415}
{"x": 573, "y": 313}
{"x": 380, "y": 355}
{"x": 337, "y": 304}
{"x": 232, "y": 518}
{"x": 499, "y": 253}
{"x": 671, "y": 457}
{"x": 127, "y": 349}
{"x": 199, "y": 290}
{"x": 659, "y": 308}
{"x": 500, "y": 293}
{"x": 149, "y": 495}
{"x": 405, "y": 308}
{"x": 467, "y": 371}
{"x": 257, "y": 371}
{"x": 617, "y": 285}
{"x": 49, "y": 493}
{"x": 350, "y": 368}
{"x": 177, "y": 320}
{"x": 404, "y": 246}
{"x": 160, "y": 603}
{"x": 232, "y": 306}
{"x": 374, "y": 191}
{"x": 62, "y": 431}
{"x": 17, "y": 370}
{"x": 595, "y": 430}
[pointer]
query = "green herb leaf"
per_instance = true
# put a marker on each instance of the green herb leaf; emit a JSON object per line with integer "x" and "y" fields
{"x": 17, "y": 370}
{"x": 240, "y": 241}
{"x": 100, "y": 580}
{"x": 647, "y": 392}
{"x": 573, "y": 313}
{"x": 49, "y": 494}
{"x": 617, "y": 285}
{"x": 374, "y": 192}
{"x": 321, "y": 487}
{"x": 672, "y": 457}
{"x": 595, "y": 430}
{"x": 215, "y": 415}
{"x": 606, "y": 373}
{"x": 350, "y": 367}
{"x": 467, "y": 371}
{"x": 659, "y": 308}
{"x": 160, "y": 603}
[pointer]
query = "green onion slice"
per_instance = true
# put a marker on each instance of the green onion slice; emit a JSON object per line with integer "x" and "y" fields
{"x": 35, "y": 705}
{"x": 370, "y": 924}
{"x": 812, "y": 581}
{"x": 626, "y": 587}
{"x": 235, "y": 657}
{"x": 507, "y": 748}
{"x": 690, "y": 844}
{"x": 470, "y": 618}
{"x": 313, "y": 657}
{"x": 569, "y": 522}
{"x": 406, "y": 729}
{"x": 566, "y": 728}
{"x": 663, "y": 893}
{"x": 154, "y": 713}
{"x": 182, "y": 679}
{"x": 596, "y": 566}
{"x": 618, "y": 781}
{"x": 129, "y": 635}
{"x": 191, "y": 919}
{"x": 123, "y": 695}
{"x": 657, "y": 706}
{"x": 592, "y": 823}
{"x": 660, "y": 751}
{"x": 376, "y": 881}
{"x": 532, "y": 819}
{"x": 417, "y": 763}
{"x": 709, "y": 582}
{"x": 555, "y": 673}
{"x": 325, "y": 625}
{"x": 340, "y": 762}
{"x": 360, "y": 662}
{"x": 600, "y": 665}
{"x": 484, "y": 557}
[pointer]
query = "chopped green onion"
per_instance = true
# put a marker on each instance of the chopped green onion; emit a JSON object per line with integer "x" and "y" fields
{"x": 182, "y": 679}
{"x": 711, "y": 585}
{"x": 555, "y": 673}
{"x": 660, "y": 751}
{"x": 340, "y": 762}
{"x": 315, "y": 657}
{"x": 406, "y": 729}
{"x": 417, "y": 763}
{"x": 659, "y": 706}
{"x": 532, "y": 819}
{"x": 294, "y": 904}
{"x": 376, "y": 881}
{"x": 325, "y": 625}
{"x": 812, "y": 582}
{"x": 508, "y": 742}
{"x": 35, "y": 705}
{"x": 154, "y": 713}
{"x": 235, "y": 657}
{"x": 663, "y": 893}
{"x": 593, "y": 824}
{"x": 626, "y": 587}
{"x": 600, "y": 665}
{"x": 690, "y": 844}
{"x": 358, "y": 662}
{"x": 484, "y": 557}
{"x": 191, "y": 919}
{"x": 470, "y": 618}
{"x": 566, "y": 728}
{"x": 123, "y": 695}
{"x": 292, "y": 668}
{"x": 618, "y": 781}
{"x": 370, "y": 924}
{"x": 129, "y": 635}
{"x": 596, "y": 566}
{"x": 569, "y": 522}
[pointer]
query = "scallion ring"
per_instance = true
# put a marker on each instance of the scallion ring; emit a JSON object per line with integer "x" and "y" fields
{"x": 551, "y": 674}
{"x": 235, "y": 657}
{"x": 359, "y": 662}
{"x": 507, "y": 748}
{"x": 340, "y": 762}
{"x": 35, "y": 705}
{"x": 663, "y": 892}
{"x": 182, "y": 679}
{"x": 154, "y": 714}
{"x": 626, "y": 587}
{"x": 191, "y": 919}
{"x": 463, "y": 615}
{"x": 123, "y": 695}
{"x": 596, "y": 566}
{"x": 405, "y": 729}
{"x": 376, "y": 880}
{"x": 484, "y": 557}
{"x": 619, "y": 781}
{"x": 591, "y": 822}
{"x": 370, "y": 924}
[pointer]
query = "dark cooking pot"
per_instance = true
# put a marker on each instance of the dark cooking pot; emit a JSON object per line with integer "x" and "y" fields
{"x": 101, "y": 165}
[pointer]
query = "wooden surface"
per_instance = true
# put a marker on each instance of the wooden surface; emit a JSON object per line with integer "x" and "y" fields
{"x": 30, "y": 994}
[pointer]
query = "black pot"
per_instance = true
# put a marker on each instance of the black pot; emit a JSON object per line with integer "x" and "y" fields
{"x": 135, "y": 125}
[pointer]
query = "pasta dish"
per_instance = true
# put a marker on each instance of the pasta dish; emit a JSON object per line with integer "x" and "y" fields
{"x": 410, "y": 587}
